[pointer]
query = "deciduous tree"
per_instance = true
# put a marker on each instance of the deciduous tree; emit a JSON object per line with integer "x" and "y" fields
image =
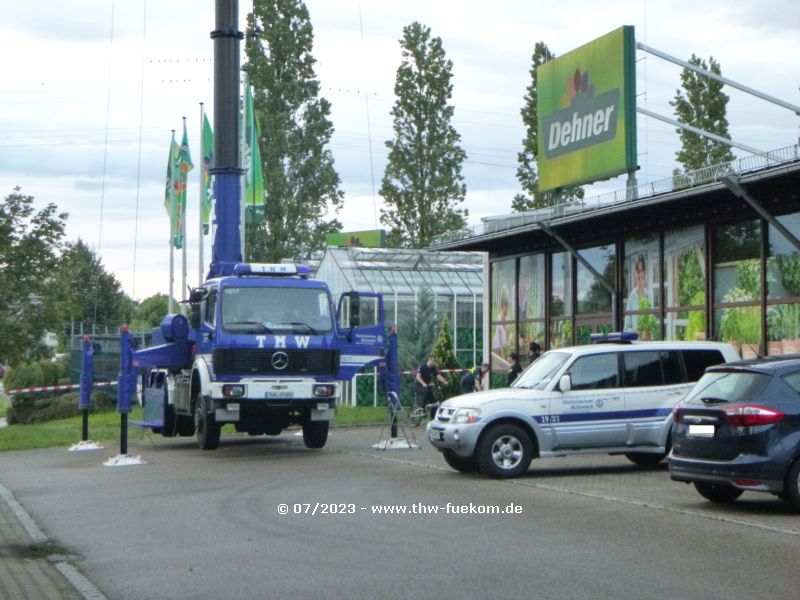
{"x": 422, "y": 183}
{"x": 29, "y": 242}
{"x": 702, "y": 104}
{"x": 300, "y": 182}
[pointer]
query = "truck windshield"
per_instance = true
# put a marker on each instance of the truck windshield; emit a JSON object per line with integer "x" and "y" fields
{"x": 276, "y": 310}
{"x": 541, "y": 371}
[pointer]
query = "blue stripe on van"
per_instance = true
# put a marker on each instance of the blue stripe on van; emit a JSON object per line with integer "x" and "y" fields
{"x": 603, "y": 416}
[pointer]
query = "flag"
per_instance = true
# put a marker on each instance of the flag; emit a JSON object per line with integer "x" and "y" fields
{"x": 251, "y": 161}
{"x": 181, "y": 170}
{"x": 170, "y": 196}
{"x": 208, "y": 158}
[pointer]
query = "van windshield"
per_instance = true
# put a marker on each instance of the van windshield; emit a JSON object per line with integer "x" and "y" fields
{"x": 541, "y": 371}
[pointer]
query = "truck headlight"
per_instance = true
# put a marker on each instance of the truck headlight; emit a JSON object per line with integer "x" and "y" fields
{"x": 466, "y": 415}
{"x": 324, "y": 391}
{"x": 233, "y": 391}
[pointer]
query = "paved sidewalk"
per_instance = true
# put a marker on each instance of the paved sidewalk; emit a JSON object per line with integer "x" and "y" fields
{"x": 32, "y": 567}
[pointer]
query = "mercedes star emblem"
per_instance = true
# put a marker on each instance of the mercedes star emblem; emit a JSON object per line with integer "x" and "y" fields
{"x": 280, "y": 360}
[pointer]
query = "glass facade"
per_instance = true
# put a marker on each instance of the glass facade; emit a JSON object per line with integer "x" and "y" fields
{"x": 737, "y": 282}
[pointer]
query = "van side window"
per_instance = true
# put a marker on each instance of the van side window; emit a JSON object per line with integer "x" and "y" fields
{"x": 696, "y": 362}
{"x": 596, "y": 371}
{"x": 642, "y": 369}
{"x": 671, "y": 364}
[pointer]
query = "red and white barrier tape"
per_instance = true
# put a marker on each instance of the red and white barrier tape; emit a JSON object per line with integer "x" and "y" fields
{"x": 57, "y": 388}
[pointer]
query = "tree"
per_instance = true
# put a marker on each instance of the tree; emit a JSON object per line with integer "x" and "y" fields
{"x": 87, "y": 292}
{"x": 702, "y": 104}
{"x": 29, "y": 240}
{"x": 422, "y": 181}
{"x": 527, "y": 171}
{"x": 300, "y": 182}
{"x": 417, "y": 331}
{"x": 443, "y": 347}
{"x": 150, "y": 312}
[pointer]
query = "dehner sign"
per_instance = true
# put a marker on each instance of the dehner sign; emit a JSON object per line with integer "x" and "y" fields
{"x": 586, "y": 103}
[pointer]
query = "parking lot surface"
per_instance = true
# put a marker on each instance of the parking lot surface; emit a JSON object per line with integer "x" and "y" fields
{"x": 266, "y": 517}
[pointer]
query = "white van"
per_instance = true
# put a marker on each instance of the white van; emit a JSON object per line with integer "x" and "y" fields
{"x": 614, "y": 398}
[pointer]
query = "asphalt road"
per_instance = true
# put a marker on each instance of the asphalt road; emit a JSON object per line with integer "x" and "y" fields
{"x": 192, "y": 524}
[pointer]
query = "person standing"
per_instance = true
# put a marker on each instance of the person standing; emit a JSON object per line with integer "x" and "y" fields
{"x": 469, "y": 382}
{"x": 514, "y": 370}
{"x": 534, "y": 351}
{"x": 426, "y": 373}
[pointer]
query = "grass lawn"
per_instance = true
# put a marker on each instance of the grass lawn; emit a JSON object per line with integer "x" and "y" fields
{"x": 104, "y": 427}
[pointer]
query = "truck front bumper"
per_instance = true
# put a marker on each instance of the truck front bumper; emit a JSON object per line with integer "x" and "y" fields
{"x": 288, "y": 394}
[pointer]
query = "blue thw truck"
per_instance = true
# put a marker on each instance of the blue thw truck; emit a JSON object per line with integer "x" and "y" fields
{"x": 264, "y": 347}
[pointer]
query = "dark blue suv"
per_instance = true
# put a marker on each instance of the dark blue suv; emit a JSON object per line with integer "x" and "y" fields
{"x": 739, "y": 429}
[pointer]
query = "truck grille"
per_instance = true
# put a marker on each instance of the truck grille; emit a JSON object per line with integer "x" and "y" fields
{"x": 247, "y": 361}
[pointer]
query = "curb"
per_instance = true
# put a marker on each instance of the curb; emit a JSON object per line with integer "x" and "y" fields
{"x": 60, "y": 563}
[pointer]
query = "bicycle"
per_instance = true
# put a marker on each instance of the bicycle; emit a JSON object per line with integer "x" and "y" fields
{"x": 419, "y": 411}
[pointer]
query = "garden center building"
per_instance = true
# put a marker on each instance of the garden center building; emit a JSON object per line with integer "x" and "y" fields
{"x": 711, "y": 254}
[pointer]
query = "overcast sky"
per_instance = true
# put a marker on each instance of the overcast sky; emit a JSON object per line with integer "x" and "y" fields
{"x": 92, "y": 88}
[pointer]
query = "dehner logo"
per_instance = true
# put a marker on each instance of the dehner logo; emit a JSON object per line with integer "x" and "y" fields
{"x": 584, "y": 121}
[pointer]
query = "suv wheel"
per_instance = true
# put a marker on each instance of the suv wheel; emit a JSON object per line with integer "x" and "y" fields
{"x": 506, "y": 451}
{"x": 644, "y": 459}
{"x": 791, "y": 487}
{"x": 717, "y": 492}
{"x": 459, "y": 463}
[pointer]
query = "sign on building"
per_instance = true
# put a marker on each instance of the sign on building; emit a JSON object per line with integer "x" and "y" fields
{"x": 587, "y": 112}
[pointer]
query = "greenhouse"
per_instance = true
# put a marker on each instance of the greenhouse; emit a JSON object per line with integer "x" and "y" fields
{"x": 453, "y": 280}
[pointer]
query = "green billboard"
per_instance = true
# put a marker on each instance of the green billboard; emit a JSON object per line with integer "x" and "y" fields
{"x": 374, "y": 238}
{"x": 587, "y": 112}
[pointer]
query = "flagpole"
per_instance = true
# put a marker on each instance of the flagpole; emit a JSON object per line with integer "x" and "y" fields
{"x": 171, "y": 304}
{"x": 243, "y": 199}
{"x": 202, "y": 188}
{"x": 183, "y": 248}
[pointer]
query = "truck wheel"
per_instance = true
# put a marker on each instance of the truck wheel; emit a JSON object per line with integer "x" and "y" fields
{"x": 315, "y": 433}
{"x": 459, "y": 463}
{"x": 206, "y": 425}
{"x": 506, "y": 451}
{"x": 170, "y": 428}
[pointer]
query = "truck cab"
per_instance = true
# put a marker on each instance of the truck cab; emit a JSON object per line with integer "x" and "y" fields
{"x": 268, "y": 351}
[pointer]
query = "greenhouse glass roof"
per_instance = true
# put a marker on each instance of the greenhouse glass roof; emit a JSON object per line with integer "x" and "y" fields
{"x": 403, "y": 271}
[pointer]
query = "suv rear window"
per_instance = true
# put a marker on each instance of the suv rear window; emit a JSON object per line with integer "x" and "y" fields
{"x": 793, "y": 381}
{"x": 642, "y": 369}
{"x": 697, "y": 361}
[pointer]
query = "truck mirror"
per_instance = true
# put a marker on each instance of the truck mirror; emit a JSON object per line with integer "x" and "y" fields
{"x": 194, "y": 315}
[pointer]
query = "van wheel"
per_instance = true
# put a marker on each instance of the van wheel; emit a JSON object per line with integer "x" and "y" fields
{"x": 719, "y": 493}
{"x": 645, "y": 459}
{"x": 459, "y": 463}
{"x": 506, "y": 451}
{"x": 791, "y": 487}
{"x": 206, "y": 425}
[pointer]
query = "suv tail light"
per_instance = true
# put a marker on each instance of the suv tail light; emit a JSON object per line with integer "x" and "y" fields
{"x": 750, "y": 416}
{"x": 676, "y": 413}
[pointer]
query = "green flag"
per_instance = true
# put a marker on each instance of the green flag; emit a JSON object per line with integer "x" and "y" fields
{"x": 170, "y": 196}
{"x": 208, "y": 158}
{"x": 251, "y": 161}
{"x": 181, "y": 170}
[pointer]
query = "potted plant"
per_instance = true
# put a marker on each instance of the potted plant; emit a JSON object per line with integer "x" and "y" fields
{"x": 741, "y": 325}
{"x": 696, "y": 320}
{"x": 647, "y": 324}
